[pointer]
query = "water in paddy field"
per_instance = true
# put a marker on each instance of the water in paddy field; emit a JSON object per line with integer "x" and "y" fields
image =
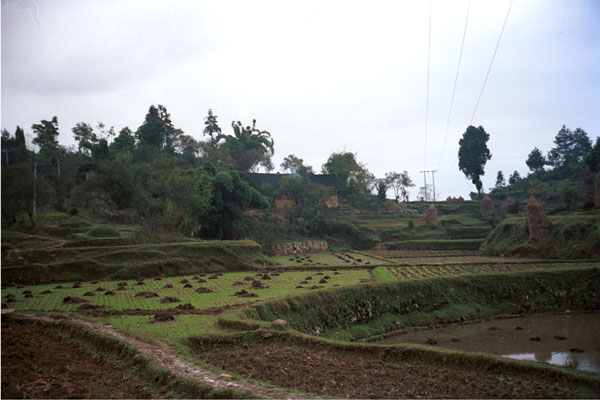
{"x": 565, "y": 340}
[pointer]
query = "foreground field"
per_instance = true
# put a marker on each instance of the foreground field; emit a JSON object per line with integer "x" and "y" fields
{"x": 220, "y": 321}
{"x": 38, "y": 365}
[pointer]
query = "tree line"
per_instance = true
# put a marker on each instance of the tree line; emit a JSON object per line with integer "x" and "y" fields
{"x": 163, "y": 178}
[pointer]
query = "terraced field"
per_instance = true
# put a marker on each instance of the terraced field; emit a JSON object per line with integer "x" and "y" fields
{"x": 220, "y": 288}
{"x": 329, "y": 259}
{"x": 407, "y": 273}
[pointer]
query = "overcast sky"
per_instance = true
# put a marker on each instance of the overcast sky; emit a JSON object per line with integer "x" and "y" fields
{"x": 321, "y": 76}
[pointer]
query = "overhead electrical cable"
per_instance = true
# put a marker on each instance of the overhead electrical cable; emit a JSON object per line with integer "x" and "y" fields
{"x": 491, "y": 62}
{"x": 455, "y": 82}
{"x": 427, "y": 96}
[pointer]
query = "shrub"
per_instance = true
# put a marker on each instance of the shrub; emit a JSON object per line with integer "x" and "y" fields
{"x": 75, "y": 222}
{"x": 103, "y": 231}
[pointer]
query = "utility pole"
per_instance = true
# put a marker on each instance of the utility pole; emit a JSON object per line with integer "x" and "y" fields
{"x": 433, "y": 179}
{"x": 34, "y": 186}
{"x": 425, "y": 184}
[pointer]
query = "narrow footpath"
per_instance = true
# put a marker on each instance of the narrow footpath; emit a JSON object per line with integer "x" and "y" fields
{"x": 165, "y": 356}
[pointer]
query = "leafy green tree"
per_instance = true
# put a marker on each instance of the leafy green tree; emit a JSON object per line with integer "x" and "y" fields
{"x": 248, "y": 147}
{"x": 473, "y": 154}
{"x": 188, "y": 147}
{"x": 514, "y": 178}
{"x": 14, "y": 148}
{"x": 536, "y": 160}
{"x": 211, "y": 127}
{"x": 85, "y": 137}
{"x": 592, "y": 161}
{"x": 382, "y": 188}
{"x": 17, "y": 191}
{"x": 500, "y": 182}
{"x": 570, "y": 148}
{"x": 190, "y": 198}
{"x": 124, "y": 142}
{"x": 157, "y": 129}
{"x": 295, "y": 165}
{"x": 400, "y": 182}
{"x": 537, "y": 187}
{"x": 231, "y": 196}
{"x": 46, "y": 136}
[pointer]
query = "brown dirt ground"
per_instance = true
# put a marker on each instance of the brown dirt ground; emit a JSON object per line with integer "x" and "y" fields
{"x": 349, "y": 376}
{"x": 36, "y": 365}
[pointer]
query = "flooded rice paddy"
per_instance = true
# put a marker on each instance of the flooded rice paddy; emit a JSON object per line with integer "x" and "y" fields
{"x": 565, "y": 340}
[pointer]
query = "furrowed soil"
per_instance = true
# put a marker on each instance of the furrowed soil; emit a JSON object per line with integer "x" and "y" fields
{"x": 36, "y": 365}
{"x": 342, "y": 375}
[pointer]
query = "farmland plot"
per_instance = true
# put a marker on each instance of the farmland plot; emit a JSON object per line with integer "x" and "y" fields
{"x": 219, "y": 290}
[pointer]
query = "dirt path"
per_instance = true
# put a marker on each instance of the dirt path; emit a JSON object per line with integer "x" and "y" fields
{"x": 166, "y": 356}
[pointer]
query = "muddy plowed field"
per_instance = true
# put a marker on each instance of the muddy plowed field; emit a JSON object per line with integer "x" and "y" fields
{"x": 38, "y": 365}
{"x": 330, "y": 373}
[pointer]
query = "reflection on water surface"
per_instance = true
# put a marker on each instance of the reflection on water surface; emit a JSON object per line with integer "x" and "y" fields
{"x": 517, "y": 338}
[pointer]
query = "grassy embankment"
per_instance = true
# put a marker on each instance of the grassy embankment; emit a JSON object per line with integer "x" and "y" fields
{"x": 73, "y": 249}
{"x": 570, "y": 237}
{"x": 365, "y": 310}
{"x": 460, "y": 227}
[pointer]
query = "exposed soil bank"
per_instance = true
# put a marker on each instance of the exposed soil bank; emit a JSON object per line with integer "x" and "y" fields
{"x": 333, "y": 373}
{"x": 37, "y": 365}
{"x": 512, "y": 338}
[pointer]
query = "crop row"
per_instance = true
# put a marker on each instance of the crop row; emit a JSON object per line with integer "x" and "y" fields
{"x": 221, "y": 290}
{"x": 387, "y": 274}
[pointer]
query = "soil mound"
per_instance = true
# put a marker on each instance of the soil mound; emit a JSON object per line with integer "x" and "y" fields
{"x": 168, "y": 286}
{"x": 238, "y": 283}
{"x": 170, "y": 299}
{"x": 203, "y": 289}
{"x": 258, "y": 285}
{"x": 10, "y": 298}
{"x": 162, "y": 317}
{"x": 244, "y": 293}
{"x": 109, "y": 293}
{"x": 46, "y": 292}
{"x": 187, "y": 286}
{"x": 73, "y": 300}
{"x": 89, "y": 294}
{"x": 186, "y": 306}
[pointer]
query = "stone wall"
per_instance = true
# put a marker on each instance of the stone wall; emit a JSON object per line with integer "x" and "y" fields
{"x": 306, "y": 246}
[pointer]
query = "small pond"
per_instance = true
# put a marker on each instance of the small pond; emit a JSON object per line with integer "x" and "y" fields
{"x": 566, "y": 340}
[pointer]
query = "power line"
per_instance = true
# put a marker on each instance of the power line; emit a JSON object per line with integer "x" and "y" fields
{"x": 455, "y": 82}
{"x": 427, "y": 97}
{"x": 491, "y": 62}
